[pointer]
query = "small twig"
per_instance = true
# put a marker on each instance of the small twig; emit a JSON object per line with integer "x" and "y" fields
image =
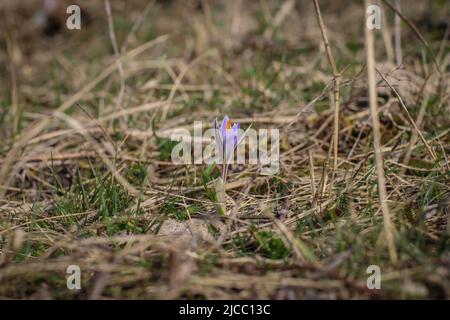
{"x": 325, "y": 38}
{"x": 336, "y": 87}
{"x": 388, "y": 226}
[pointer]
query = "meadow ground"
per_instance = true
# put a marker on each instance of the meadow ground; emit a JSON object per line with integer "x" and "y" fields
{"x": 86, "y": 176}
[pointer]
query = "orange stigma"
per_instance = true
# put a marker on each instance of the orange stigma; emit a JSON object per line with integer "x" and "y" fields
{"x": 228, "y": 124}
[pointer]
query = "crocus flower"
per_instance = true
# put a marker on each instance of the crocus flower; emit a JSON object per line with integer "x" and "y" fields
{"x": 227, "y": 139}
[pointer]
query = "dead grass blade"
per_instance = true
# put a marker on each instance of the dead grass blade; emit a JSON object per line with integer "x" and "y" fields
{"x": 371, "y": 67}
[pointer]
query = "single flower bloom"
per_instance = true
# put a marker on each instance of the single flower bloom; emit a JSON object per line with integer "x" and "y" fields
{"x": 227, "y": 138}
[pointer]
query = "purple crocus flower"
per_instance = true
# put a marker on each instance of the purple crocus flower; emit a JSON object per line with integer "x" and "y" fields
{"x": 227, "y": 138}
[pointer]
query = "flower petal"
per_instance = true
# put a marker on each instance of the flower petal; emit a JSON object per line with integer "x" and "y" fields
{"x": 224, "y": 122}
{"x": 218, "y": 140}
{"x": 231, "y": 139}
{"x": 223, "y": 126}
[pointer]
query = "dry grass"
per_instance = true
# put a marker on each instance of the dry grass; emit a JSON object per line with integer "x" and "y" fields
{"x": 86, "y": 176}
